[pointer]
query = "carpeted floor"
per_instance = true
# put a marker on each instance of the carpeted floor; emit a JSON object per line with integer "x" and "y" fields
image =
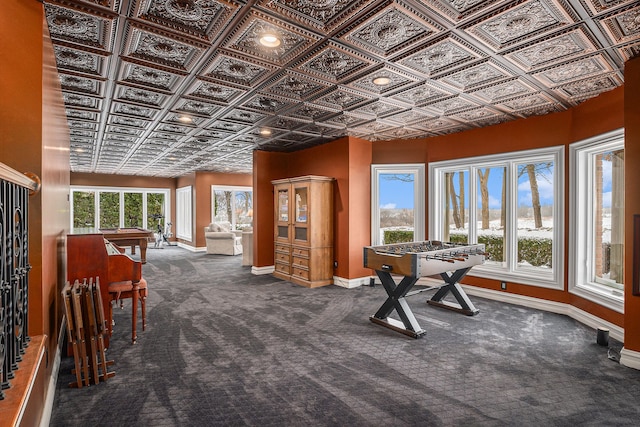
{"x": 226, "y": 348}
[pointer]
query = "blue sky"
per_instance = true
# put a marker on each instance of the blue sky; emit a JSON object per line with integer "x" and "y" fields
{"x": 399, "y": 195}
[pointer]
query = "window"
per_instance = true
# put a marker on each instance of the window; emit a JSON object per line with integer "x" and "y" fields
{"x": 107, "y": 207}
{"x": 511, "y": 203}
{"x": 184, "y": 213}
{"x": 397, "y": 203}
{"x": 232, "y": 204}
{"x": 597, "y": 228}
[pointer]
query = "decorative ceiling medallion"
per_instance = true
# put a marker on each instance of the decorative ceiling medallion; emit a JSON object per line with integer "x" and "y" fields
{"x": 296, "y": 86}
{"x": 75, "y": 100}
{"x": 266, "y": 103}
{"x": 291, "y": 40}
{"x": 421, "y": 95}
{"x": 520, "y": 22}
{"x": 140, "y": 95}
{"x": 214, "y": 92}
{"x": 81, "y": 114}
{"x": 81, "y": 125}
{"x": 162, "y": 50}
{"x": 322, "y": 14}
{"x": 227, "y": 126}
{"x": 576, "y": 70}
{"x": 410, "y": 116}
{"x": 308, "y": 112}
{"x": 439, "y": 56}
{"x": 235, "y": 70}
{"x": 504, "y": 90}
{"x": 525, "y": 102}
{"x": 146, "y": 76}
{"x": 77, "y": 60}
{"x": 133, "y": 110}
{"x": 474, "y": 115}
{"x": 589, "y": 88}
{"x": 169, "y": 127}
{"x": 459, "y": 9}
{"x": 342, "y": 97}
{"x": 333, "y": 63}
{"x": 203, "y": 18}
{"x": 377, "y": 109}
{"x": 73, "y": 26}
{"x": 393, "y": 80}
{"x": 388, "y": 30}
{"x": 623, "y": 26}
{"x": 451, "y": 105}
{"x": 127, "y": 131}
{"x": 79, "y": 84}
{"x": 198, "y": 107}
{"x": 345, "y": 119}
{"x": 127, "y": 121}
{"x": 475, "y": 76}
{"x": 243, "y": 116}
{"x": 562, "y": 47}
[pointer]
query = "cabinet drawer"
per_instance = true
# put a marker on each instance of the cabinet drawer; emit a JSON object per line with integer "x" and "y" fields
{"x": 304, "y": 262}
{"x": 283, "y": 268}
{"x": 300, "y": 272}
{"x": 300, "y": 252}
{"x": 282, "y": 248}
{"x": 280, "y": 257}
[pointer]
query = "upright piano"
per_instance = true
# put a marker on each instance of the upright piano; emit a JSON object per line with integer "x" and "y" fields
{"x": 89, "y": 255}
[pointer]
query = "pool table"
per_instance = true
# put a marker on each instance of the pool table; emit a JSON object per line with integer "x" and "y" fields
{"x": 130, "y": 236}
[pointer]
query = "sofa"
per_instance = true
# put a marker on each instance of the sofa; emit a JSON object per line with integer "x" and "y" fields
{"x": 222, "y": 240}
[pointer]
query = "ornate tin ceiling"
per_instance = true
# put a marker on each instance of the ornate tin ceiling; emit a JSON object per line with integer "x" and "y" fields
{"x": 131, "y": 70}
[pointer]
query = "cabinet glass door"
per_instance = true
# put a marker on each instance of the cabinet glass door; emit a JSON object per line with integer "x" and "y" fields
{"x": 301, "y": 213}
{"x": 282, "y": 219}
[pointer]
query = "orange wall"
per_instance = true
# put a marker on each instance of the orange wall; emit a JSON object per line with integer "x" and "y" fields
{"x": 34, "y": 138}
{"x": 632, "y": 201}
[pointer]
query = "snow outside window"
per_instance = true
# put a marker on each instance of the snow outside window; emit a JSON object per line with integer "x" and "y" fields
{"x": 512, "y": 203}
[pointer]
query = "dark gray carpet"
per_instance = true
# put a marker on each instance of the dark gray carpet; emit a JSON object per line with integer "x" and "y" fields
{"x": 225, "y": 347}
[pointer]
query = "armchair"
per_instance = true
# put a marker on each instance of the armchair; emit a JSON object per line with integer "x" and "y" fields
{"x": 221, "y": 240}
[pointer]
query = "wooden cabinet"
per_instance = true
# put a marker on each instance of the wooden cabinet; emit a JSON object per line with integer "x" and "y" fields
{"x": 303, "y": 230}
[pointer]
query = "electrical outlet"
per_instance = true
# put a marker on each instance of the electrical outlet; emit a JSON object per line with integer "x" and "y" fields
{"x": 335, "y": 264}
{"x": 503, "y": 286}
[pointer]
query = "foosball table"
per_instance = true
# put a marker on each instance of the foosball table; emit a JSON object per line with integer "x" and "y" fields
{"x": 451, "y": 261}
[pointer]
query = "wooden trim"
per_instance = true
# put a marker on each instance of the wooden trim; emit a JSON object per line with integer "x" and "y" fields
{"x": 27, "y": 180}
{"x": 636, "y": 255}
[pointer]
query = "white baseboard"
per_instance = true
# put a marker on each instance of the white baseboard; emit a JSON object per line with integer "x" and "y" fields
{"x": 351, "y": 283}
{"x": 53, "y": 380}
{"x": 630, "y": 358}
{"x": 262, "y": 270}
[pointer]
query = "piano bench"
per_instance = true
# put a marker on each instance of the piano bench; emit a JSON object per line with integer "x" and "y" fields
{"x": 126, "y": 289}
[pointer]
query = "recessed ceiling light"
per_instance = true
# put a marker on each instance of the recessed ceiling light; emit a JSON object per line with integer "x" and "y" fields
{"x": 269, "y": 40}
{"x": 265, "y": 132}
{"x": 381, "y": 81}
{"x": 184, "y": 118}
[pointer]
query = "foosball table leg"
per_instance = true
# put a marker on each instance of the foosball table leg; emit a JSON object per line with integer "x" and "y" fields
{"x": 396, "y": 301}
{"x": 464, "y": 304}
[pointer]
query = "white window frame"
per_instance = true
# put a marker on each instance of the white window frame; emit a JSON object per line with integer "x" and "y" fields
{"x": 184, "y": 213}
{"x": 232, "y": 188}
{"x": 581, "y": 236}
{"x": 418, "y": 170}
{"x": 511, "y": 273}
{"x": 121, "y": 191}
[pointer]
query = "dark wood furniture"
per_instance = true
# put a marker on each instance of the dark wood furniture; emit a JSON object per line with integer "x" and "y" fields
{"x": 88, "y": 255}
{"x": 131, "y": 236}
{"x": 303, "y": 230}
